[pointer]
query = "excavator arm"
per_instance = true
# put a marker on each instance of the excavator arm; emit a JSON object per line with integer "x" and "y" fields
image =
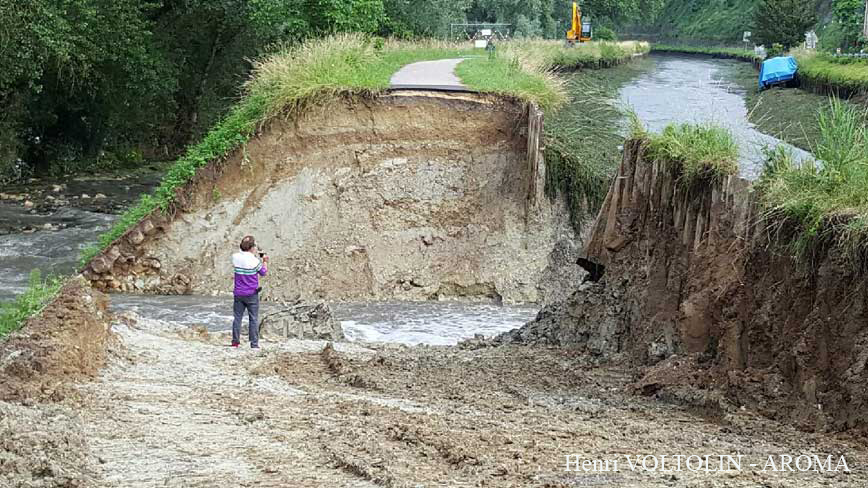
{"x": 579, "y": 31}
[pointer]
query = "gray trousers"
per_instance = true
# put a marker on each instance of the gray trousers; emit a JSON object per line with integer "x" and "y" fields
{"x": 251, "y": 303}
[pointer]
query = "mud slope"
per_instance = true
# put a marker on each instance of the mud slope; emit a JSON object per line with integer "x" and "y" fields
{"x": 694, "y": 292}
{"x": 412, "y": 195}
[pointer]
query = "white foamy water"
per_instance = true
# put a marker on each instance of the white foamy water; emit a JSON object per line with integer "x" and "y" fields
{"x": 434, "y": 323}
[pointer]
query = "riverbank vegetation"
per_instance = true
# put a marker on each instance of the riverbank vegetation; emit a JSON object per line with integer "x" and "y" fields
{"x": 555, "y": 55}
{"x": 848, "y": 75}
{"x": 28, "y": 303}
{"x": 824, "y": 202}
{"x": 584, "y": 138}
{"x": 720, "y": 52}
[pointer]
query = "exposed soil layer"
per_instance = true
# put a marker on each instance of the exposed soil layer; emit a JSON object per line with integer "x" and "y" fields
{"x": 695, "y": 292}
{"x": 181, "y": 409}
{"x": 412, "y": 195}
{"x": 63, "y": 343}
{"x": 41, "y": 439}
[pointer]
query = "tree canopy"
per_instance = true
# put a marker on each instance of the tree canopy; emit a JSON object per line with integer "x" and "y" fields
{"x": 783, "y": 21}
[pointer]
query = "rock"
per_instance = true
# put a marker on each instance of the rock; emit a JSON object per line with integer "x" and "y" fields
{"x": 28, "y": 204}
{"x": 477, "y": 342}
{"x": 300, "y": 321}
{"x": 135, "y": 237}
{"x": 100, "y": 264}
{"x": 48, "y": 226}
{"x": 85, "y": 196}
{"x": 146, "y": 227}
{"x": 57, "y": 188}
{"x": 99, "y": 196}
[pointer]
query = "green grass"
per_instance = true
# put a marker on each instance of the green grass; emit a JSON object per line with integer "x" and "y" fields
{"x": 38, "y": 293}
{"x": 701, "y": 153}
{"x": 725, "y": 52}
{"x": 815, "y": 205}
{"x": 582, "y": 139}
{"x": 506, "y": 77}
{"x": 820, "y": 69}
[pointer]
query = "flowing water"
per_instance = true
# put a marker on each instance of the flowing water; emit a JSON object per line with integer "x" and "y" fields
{"x": 436, "y": 323}
{"x": 693, "y": 89}
{"x": 53, "y": 251}
{"x": 677, "y": 89}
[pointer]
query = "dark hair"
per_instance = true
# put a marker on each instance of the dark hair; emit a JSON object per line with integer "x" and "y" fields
{"x": 247, "y": 243}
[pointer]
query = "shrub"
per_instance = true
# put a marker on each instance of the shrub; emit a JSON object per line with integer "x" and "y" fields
{"x": 604, "y": 34}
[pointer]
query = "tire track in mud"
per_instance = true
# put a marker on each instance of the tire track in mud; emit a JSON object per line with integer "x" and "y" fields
{"x": 176, "y": 408}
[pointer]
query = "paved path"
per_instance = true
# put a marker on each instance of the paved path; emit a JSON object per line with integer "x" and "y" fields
{"x": 430, "y": 75}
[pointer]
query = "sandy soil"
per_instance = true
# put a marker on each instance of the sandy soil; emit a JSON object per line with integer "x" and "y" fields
{"x": 176, "y": 407}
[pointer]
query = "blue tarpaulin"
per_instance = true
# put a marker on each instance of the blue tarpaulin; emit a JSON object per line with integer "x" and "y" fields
{"x": 777, "y": 70}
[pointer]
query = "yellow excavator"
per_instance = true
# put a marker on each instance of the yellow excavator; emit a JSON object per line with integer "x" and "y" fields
{"x": 581, "y": 31}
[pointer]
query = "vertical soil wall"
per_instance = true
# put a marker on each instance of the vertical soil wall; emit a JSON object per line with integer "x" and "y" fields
{"x": 697, "y": 296}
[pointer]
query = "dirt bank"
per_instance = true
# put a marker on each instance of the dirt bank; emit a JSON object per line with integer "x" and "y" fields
{"x": 181, "y": 409}
{"x": 41, "y": 438}
{"x": 412, "y": 195}
{"x": 695, "y": 292}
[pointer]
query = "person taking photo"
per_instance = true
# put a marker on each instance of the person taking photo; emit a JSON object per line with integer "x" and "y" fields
{"x": 249, "y": 265}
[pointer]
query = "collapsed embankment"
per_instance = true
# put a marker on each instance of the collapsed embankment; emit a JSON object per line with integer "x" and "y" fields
{"x": 696, "y": 296}
{"x": 410, "y": 195}
{"x": 42, "y": 441}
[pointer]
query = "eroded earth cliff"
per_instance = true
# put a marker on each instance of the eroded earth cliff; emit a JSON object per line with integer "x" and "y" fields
{"x": 412, "y": 195}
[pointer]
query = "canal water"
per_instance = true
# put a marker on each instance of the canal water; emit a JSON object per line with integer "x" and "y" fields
{"x": 676, "y": 89}
{"x": 679, "y": 89}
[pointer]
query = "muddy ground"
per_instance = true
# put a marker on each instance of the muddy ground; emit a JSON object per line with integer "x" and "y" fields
{"x": 176, "y": 407}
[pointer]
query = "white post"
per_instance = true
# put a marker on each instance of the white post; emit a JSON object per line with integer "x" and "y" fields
{"x": 865, "y": 24}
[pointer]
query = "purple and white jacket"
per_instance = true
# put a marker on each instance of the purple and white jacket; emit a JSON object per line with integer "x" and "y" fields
{"x": 248, "y": 269}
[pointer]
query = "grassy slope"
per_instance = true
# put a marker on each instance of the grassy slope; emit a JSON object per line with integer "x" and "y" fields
{"x": 38, "y": 293}
{"x": 720, "y": 21}
{"x": 823, "y": 204}
{"x": 583, "y": 138}
{"x": 824, "y": 70}
{"x": 785, "y": 113}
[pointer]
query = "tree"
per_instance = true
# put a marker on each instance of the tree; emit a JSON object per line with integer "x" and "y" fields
{"x": 783, "y": 21}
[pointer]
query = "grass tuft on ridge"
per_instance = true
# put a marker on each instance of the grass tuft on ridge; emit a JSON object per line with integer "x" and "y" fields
{"x": 703, "y": 153}
{"x": 824, "y": 202}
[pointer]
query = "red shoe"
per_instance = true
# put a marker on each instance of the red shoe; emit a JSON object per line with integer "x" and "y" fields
{"x": 234, "y": 344}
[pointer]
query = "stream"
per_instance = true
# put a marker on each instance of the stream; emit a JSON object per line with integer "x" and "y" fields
{"x": 676, "y": 89}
